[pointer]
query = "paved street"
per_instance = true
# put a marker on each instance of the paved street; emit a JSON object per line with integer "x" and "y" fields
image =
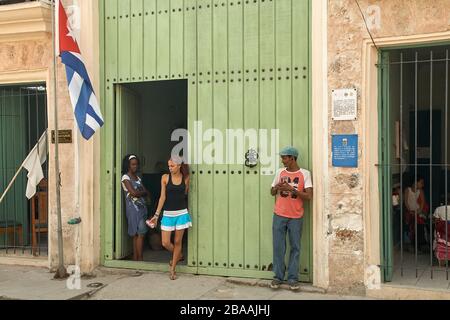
{"x": 38, "y": 283}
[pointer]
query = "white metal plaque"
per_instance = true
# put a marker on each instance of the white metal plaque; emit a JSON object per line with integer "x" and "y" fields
{"x": 344, "y": 104}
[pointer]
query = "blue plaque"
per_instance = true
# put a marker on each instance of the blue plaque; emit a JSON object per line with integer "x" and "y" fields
{"x": 345, "y": 150}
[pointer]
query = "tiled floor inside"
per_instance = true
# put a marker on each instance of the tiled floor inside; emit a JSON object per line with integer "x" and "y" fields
{"x": 161, "y": 255}
{"x": 425, "y": 273}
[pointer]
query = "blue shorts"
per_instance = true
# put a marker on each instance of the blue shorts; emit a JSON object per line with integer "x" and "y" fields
{"x": 142, "y": 227}
{"x": 172, "y": 221}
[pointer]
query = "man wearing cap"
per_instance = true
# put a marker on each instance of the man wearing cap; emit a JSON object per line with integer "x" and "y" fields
{"x": 291, "y": 186}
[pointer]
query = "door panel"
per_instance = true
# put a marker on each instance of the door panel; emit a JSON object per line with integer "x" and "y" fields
{"x": 127, "y": 142}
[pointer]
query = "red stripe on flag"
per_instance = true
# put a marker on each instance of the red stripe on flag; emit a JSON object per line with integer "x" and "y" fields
{"x": 67, "y": 41}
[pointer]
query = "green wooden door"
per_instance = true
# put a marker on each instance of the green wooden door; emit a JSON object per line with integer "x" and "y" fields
{"x": 247, "y": 66}
{"x": 385, "y": 177}
{"x": 127, "y": 142}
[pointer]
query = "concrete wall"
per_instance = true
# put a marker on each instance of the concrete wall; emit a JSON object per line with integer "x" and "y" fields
{"x": 353, "y": 249}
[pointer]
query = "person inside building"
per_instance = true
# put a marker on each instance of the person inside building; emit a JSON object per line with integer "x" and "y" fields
{"x": 291, "y": 186}
{"x": 136, "y": 209}
{"x": 416, "y": 206}
{"x": 176, "y": 217}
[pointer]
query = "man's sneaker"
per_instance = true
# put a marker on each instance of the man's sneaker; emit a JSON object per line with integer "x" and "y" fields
{"x": 294, "y": 286}
{"x": 275, "y": 284}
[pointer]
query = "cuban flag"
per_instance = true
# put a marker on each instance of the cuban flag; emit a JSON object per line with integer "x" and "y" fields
{"x": 84, "y": 102}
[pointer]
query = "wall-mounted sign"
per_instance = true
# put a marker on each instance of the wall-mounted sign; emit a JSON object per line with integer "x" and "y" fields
{"x": 64, "y": 136}
{"x": 344, "y": 104}
{"x": 345, "y": 150}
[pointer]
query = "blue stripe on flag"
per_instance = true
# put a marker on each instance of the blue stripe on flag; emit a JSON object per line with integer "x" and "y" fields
{"x": 69, "y": 73}
{"x": 76, "y": 65}
{"x": 83, "y": 108}
{"x": 87, "y": 132}
{"x": 94, "y": 115}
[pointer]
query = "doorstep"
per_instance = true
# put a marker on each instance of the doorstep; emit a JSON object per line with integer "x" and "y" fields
{"x": 41, "y": 262}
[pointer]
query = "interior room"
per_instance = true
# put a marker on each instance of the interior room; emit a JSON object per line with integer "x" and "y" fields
{"x": 162, "y": 109}
{"x": 419, "y": 126}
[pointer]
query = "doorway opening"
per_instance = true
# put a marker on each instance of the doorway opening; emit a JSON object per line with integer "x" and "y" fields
{"x": 415, "y": 166}
{"x": 146, "y": 116}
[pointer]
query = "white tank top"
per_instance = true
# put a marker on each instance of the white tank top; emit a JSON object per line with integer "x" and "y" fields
{"x": 412, "y": 198}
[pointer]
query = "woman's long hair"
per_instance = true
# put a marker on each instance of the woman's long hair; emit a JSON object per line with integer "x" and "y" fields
{"x": 184, "y": 169}
{"x": 126, "y": 162}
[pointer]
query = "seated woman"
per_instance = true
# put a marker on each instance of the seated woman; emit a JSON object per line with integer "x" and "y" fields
{"x": 416, "y": 210}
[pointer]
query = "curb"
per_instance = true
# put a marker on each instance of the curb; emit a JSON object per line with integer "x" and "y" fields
{"x": 266, "y": 283}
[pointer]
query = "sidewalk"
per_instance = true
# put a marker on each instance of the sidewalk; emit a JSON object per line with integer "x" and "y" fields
{"x": 26, "y": 283}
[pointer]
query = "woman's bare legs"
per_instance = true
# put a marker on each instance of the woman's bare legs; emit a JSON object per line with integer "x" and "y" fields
{"x": 165, "y": 237}
{"x": 176, "y": 252}
{"x": 135, "y": 249}
{"x": 140, "y": 247}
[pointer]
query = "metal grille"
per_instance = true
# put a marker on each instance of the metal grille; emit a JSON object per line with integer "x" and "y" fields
{"x": 23, "y": 119}
{"x": 414, "y": 161}
{"x": 5, "y": 2}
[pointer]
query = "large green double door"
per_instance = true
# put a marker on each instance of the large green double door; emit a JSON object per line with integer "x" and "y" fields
{"x": 247, "y": 66}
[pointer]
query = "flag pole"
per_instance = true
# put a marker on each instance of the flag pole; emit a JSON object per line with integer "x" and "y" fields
{"x": 20, "y": 169}
{"x": 11, "y": 182}
{"x": 61, "y": 272}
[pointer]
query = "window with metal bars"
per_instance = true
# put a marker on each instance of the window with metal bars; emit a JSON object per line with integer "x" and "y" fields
{"x": 414, "y": 165}
{"x": 5, "y": 2}
{"x": 23, "y": 119}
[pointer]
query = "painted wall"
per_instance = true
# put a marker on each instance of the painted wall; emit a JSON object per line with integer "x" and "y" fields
{"x": 348, "y": 261}
{"x": 26, "y": 56}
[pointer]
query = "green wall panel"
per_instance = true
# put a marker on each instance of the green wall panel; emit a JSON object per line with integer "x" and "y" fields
{"x": 176, "y": 39}
{"x": 235, "y": 121}
{"x": 205, "y": 100}
{"x": 124, "y": 40}
{"x": 301, "y": 112}
{"x": 220, "y": 121}
{"x": 150, "y": 40}
{"x": 190, "y": 70}
{"x": 267, "y": 111}
{"x": 137, "y": 40}
{"x": 251, "y": 121}
{"x": 163, "y": 39}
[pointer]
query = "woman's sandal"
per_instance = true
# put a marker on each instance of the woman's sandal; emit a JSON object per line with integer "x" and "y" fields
{"x": 173, "y": 275}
